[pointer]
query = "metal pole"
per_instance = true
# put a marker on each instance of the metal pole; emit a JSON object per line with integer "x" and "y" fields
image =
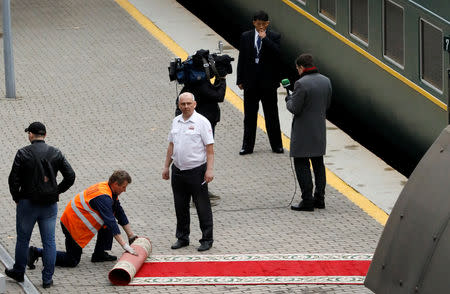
{"x": 7, "y": 51}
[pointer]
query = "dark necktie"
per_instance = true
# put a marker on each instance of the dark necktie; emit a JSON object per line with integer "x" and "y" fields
{"x": 258, "y": 43}
{"x": 258, "y": 49}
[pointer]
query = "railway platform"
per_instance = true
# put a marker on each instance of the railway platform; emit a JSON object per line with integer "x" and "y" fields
{"x": 95, "y": 72}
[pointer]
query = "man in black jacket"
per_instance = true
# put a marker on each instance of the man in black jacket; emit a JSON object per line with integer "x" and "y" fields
{"x": 23, "y": 182}
{"x": 258, "y": 74}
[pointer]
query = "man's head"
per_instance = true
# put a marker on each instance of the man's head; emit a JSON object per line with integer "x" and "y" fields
{"x": 304, "y": 61}
{"x": 119, "y": 181}
{"x": 261, "y": 21}
{"x": 36, "y": 131}
{"x": 187, "y": 104}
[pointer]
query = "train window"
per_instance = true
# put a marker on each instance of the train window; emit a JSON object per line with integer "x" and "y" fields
{"x": 393, "y": 32}
{"x": 359, "y": 20}
{"x": 327, "y": 8}
{"x": 431, "y": 54}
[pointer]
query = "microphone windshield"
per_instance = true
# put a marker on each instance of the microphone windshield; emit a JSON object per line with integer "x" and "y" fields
{"x": 285, "y": 83}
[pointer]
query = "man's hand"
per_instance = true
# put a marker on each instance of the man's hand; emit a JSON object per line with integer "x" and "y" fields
{"x": 209, "y": 176}
{"x": 165, "y": 173}
{"x": 262, "y": 34}
{"x": 132, "y": 239}
{"x": 128, "y": 249}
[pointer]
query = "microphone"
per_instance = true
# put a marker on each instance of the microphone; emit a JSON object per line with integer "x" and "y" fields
{"x": 285, "y": 83}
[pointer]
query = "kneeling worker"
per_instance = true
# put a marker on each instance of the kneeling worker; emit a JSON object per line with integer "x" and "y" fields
{"x": 91, "y": 211}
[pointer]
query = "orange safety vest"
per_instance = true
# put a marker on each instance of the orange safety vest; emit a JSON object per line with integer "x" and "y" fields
{"x": 80, "y": 219}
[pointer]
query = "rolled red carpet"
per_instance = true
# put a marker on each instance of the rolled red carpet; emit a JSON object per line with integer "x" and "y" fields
{"x": 127, "y": 266}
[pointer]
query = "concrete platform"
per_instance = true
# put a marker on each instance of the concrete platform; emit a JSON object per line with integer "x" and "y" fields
{"x": 98, "y": 80}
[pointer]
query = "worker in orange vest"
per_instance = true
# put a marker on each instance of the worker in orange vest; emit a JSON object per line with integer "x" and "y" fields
{"x": 93, "y": 211}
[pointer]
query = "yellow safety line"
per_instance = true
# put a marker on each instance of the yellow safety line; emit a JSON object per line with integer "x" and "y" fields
{"x": 333, "y": 180}
{"x": 367, "y": 55}
{"x": 153, "y": 29}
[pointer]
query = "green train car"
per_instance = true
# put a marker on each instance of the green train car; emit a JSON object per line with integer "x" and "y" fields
{"x": 388, "y": 60}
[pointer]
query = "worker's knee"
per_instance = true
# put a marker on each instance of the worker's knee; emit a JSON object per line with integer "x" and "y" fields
{"x": 73, "y": 262}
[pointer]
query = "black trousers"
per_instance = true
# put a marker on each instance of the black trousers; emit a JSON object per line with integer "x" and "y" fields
{"x": 71, "y": 257}
{"x": 304, "y": 178}
{"x": 187, "y": 183}
{"x": 269, "y": 101}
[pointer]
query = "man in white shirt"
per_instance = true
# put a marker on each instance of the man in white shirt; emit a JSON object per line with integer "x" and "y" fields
{"x": 191, "y": 149}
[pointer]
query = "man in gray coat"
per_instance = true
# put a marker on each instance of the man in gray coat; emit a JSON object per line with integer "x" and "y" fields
{"x": 309, "y": 103}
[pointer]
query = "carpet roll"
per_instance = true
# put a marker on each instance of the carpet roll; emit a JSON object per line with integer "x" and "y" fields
{"x": 128, "y": 265}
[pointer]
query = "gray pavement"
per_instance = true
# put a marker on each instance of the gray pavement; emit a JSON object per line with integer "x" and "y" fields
{"x": 99, "y": 82}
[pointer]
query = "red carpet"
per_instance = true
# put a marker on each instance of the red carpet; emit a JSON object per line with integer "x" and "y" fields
{"x": 253, "y": 269}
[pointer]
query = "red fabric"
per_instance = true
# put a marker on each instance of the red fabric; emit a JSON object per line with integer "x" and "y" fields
{"x": 310, "y": 68}
{"x": 122, "y": 275}
{"x": 255, "y": 268}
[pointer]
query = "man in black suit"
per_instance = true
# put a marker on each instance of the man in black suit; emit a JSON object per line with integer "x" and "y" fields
{"x": 258, "y": 74}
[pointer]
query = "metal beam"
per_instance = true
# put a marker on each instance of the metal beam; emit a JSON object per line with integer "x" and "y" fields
{"x": 10, "y": 84}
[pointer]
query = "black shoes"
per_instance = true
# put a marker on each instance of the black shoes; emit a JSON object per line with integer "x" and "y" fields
{"x": 213, "y": 196}
{"x": 104, "y": 256}
{"x": 47, "y": 285}
{"x": 309, "y": 205}
{"x": 213, "y": 199}
{"x": 204, "y": 246}
{"x": 245, "y": 151}
{"x": 33, "y": 256}
{"x": 319, "y": 203}
{"x": 303, "y": 206}
{"x": 179, "y": 244}
{"x": 19, "y": 277}
{"x": 278, "y": 150}
{"x": 14, "y": 275}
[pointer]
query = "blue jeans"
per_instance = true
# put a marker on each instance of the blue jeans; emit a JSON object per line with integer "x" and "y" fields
{"x": 27, "y": 214}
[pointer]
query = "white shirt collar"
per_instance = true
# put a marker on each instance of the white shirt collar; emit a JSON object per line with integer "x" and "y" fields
{"x": 256, "y": 36}
{"x": 190, "y": 119}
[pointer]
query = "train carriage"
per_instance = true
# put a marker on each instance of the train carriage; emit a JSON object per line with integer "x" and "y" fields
{"x": 389, "y": 60}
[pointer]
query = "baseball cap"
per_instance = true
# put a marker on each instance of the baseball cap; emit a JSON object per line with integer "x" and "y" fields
{"x": 37, "y": 128}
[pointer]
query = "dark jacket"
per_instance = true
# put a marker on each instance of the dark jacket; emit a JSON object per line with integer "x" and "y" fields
{"x": 309, "y": 102}
{"x": 208, "y": 96}
{"x": 266, "y": 73}
{"x": 20, "y": 179}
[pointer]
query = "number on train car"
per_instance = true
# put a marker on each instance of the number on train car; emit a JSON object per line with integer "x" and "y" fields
{"x": 447, "y": 44}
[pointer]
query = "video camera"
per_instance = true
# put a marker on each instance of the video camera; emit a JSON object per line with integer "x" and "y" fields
{"x": 202, "y": 66}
